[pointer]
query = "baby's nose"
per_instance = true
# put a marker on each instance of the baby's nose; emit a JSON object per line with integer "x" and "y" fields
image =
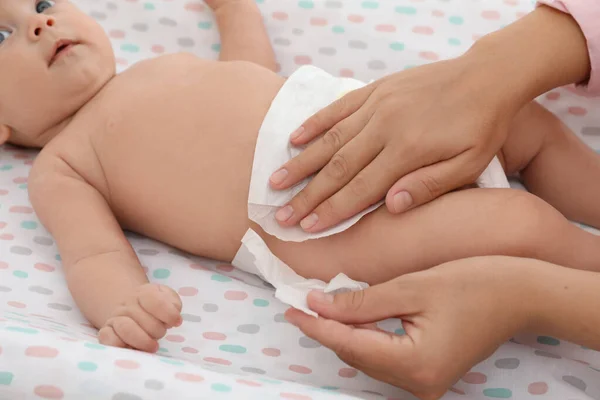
{"x": 38, "y": 23}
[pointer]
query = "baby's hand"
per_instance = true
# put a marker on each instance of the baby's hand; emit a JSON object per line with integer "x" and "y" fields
{"x": 216, "y": 4}
{"x": 143, "y": 318}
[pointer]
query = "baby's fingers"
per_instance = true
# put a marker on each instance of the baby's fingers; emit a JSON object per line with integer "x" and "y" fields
{"x": 162, "y": 303}
{"x": 108, "y": 337}
{"x": 130, "y": 333}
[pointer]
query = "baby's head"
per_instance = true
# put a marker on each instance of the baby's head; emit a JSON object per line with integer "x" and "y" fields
{"x": 53, "y": 60}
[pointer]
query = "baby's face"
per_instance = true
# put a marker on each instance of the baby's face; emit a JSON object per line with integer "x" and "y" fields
{"x": 53, "y": 59}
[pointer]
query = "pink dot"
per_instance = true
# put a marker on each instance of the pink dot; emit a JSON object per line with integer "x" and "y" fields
{"x": 235, "y": 295}
{"x": 116, "y": 34}
{"x": 48, "y": 392}
{"x": 182, "y": 376}
{"x": 346, "y": 73}
{"x": 20, "y": 180}
{"x": 21, "y": 156}
{"x": 457, "y": 391}
{"x": 578, "y": 111}
{"x": 423, "y": 30}
{"x": 490, "y": 14}
{"x": 219, "y": 361}
{"x": 385, "y": 28}
{"x": 521, "y": 14}
{"x": 225, "y": 267}
{"x": 41, "y": 352}
{"x": 475, "y": 378}
{"x": 198, "y": 7}
{"x": 175, "y": 338}
{"x": 68, "y": 339}
{"x": 583, "y": 362}
{"x": 437, "y": 13}
{"x": 87, "y": 325}
{"x": 21, "y": 209}
{"x": 44, "y": 267}
{"x": 302, "y": 60}
{"x": 3, "y": 192}
{"x": 189, "y": 350}
{"x": 347, "y": 372}
{"x": 476, "y": 37}
{"x": 16, "y": 304}
{"x": 553, "y": 96}
{"x": 248, "y": 383}
{"x": 29, "y": 162}
{"x": 511, "y": 2}
{"x": 188, "y": 291}
{"x": 3, "y": 265}
{"x": 280, "y": 15}
{"x": 429, "y": 55}
{"x": 294, "y": 396}
{"x": 198, "y": 267}
{"x": 357, "y": 19}
{"x": 271, "y": 352}
{"x": 127, "y": 364}
{"x": 6, "y": 236}
{"x": 2, "y": 224}
{"x": 214, "y": 336}
{"x": 121, "y": 61}
{"x": 537, "y": 388}
{"x": 318, "y": 21}
{"x": 158, "y": 49}
{"x": 300, "y": 369}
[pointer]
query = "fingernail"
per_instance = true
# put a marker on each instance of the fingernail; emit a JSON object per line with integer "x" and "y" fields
{"x": 279, "y": 176}
{"x": 297, "y": 133}
{"x": 402, "y": 201}
{"x": 309, "y": 221}
{"x": 322, "y": 297}
{"x": 284, "y": 213}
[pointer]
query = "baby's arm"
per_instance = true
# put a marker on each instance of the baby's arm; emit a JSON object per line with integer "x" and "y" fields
{"x": 243, "y": 34}
{"x": 102, "y": 270}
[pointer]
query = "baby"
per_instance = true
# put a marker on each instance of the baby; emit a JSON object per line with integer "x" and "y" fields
{"x": 166, "y": 148}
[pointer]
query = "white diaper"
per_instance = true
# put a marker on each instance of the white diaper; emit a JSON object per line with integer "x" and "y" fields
{"x": 307, "y": 91}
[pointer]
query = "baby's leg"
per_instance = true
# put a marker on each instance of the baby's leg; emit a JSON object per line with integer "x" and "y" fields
{"x": 243, "y": 34}
{"x": 461, "y": 224}
{"x": 554, "y": 164}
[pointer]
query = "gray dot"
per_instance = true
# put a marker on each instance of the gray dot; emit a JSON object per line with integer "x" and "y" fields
{"x": 357, "y": 44}
{"x": 5, "y": 289}
{"x": 253, "y": 370}
{"x": 591, "y": 131}
{"x": 61, "y": 307}
{"x": 281, "y": 41}
{"x": 178, "y": 253}
{"x": 333, "y": 4}
{"x": 153, "y": 384}
{"x": 24, "y": 251}
{"x": 507, "y": 363}
{"x": 148, "y": 252}
{"x": 186, "y": 42}
{"x": 191, "y": 317}
{"x": 376, "y": 64}
{"x": 575, "y": 381}
{"x": 297, "y": 31}
{"x": 140, "y": 27}
{"x": 209, "y": 307}
{"x": 542, "y": 353}
{"x": 372, "y": 392}
{"x": 40, "y": 290}
{"x": 280, "y": 318}
{"x": 308, "y": 343}
{"x": 249, "y": 328}
{"x": 44, "y": 241}
{"x": 328, "y": 51}
{"x": 126, "y": 396}
{"x": 100, "y": 16}
{"x": 167, "y": 22}
{"x": 111, "y": 6}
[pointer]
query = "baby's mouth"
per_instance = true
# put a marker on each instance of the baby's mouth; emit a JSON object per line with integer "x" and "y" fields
{"x": 60, "y": 48}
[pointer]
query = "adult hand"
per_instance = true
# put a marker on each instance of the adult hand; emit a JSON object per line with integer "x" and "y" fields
{"x": 428, "y": 130}
{"x": 454, "y": 315}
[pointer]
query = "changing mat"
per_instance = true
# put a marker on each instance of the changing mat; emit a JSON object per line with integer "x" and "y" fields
{"x": 234, "y": 342}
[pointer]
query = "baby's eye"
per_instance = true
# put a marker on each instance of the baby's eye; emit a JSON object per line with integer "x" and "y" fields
{"x": 4, "y": 34}
{"x": 43, "y": 5}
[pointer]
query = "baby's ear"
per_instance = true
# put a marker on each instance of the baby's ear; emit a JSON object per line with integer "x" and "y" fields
{"x": 4, "y": 134}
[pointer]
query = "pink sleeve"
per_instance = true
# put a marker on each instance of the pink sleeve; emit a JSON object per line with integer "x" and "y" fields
{"x": 587, "y": 15}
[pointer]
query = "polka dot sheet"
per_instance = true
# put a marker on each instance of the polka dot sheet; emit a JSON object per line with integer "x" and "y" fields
{"x": 234, "y": 342}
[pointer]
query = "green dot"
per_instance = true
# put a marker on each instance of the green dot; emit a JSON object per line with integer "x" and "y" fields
{"x": 550, "y": 341}
{"x": 498, "y": 393}
{"x": 330, "y": 388}
{"x": 306, "y": 4}
{"x": 149, "y": 6}
{"x": 220, "y": 278}
{"x": 406, "y": 10}
{"x": 161, "y": 273}
{"x": 58, "y": 257}
{"x": 205, "y": 25}
{"x": 371, "y": 5}
{"x": 23, "y": 186}
{"x": 397, "y": 46}
{"x": 29, "y": 225}
{"x": 340, "y": 29}
{"x": 29, "y": 331}
{"x": 216, "y": 47}
{"x": 260, "y": 302}
{"x": 219, "y": 387}
{"x": 231, "y": 348}
{"x": 87, "y": 366}
{"x": 20, "y": 274}
{"x": 94, "y": 346}
{"x": 23, "y": 321}
{"x": 163, "y": 350}
{"x": 6, "y": 378}
{"x": 271, "y": 381}
{"x": 456, "y": 20}
{"x": 454, "y": 42}
{"x": 171, "y": 361}
{"x": 400, "y": 331}
{"x": 6, "y": 167}
{"x": 130, "y": 48}
{"x": 409, "y": 66}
